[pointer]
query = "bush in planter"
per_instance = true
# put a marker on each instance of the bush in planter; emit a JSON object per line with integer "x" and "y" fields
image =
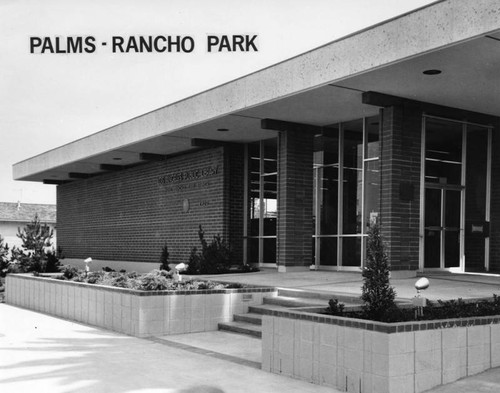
{"x": 378, "y": 296}
{"x": 213, "y": 258}
{"x": 164, "y": 258}
{"x": 36, "y": 254}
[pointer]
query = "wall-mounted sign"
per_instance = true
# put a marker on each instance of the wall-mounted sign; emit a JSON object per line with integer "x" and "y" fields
{"x": 194, "y": 174}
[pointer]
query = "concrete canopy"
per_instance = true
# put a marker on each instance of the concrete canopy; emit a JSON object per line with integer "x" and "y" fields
{"x": 324, "y": 86}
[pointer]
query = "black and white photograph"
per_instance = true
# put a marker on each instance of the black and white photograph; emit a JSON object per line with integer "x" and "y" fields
{"x": 229, "y": 196}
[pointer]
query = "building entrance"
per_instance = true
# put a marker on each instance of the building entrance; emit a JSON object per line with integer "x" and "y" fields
{"x": 455, "y": 195}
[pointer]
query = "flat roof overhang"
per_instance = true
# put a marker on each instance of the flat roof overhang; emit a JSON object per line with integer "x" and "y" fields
{"x": 320, "y": 87}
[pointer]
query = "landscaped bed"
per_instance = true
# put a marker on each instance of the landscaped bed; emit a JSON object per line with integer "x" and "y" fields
{"x": 358, "y": 355}
{"x": 156, "y": 280}
{"x": 180, "y": 307}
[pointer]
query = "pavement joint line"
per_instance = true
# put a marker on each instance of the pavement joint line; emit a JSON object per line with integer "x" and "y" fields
{"x": 206, "y": 352}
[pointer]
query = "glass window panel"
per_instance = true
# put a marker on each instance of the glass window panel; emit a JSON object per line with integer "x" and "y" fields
{"x": 352, "y": 185}
{"x": 452, "y": 209}
{"x": 269, "y": 250}
{"x": 328, "y": 253}
{"x": 372, "y": 135}
{"x": 372, "y": 191}
{"x": 443, "y": 151}
{"x": 432, "y": 207}
{"x": 476, "y": 168}
{"x": 432, "y": 246}
{"x": 263, "y": 200}
{"x": 452, "y": 248}
{"x": 253, "y": 250}
{"x": 351, "y": 251}
{"x": 329, "y": 200}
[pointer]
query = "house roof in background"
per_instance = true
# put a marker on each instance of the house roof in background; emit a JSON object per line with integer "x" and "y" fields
{"x": 25, "y": 212}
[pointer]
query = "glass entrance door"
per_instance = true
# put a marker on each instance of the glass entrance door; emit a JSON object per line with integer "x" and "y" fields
{"x": 443, "y": 194}
{"x": 455, "y": 195}
{"x": 442, "y": 227}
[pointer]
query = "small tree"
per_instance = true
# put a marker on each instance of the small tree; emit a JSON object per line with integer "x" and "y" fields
{"x": 377, "y": 294}
{"x": 164, "y": 258}
{"x": 4, "y": 257}
{"x": 37, "y": 254}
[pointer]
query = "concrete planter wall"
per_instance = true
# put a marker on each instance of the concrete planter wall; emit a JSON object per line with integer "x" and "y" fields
{"x": 370, "y": 357}
{"x": 137, "y": 313}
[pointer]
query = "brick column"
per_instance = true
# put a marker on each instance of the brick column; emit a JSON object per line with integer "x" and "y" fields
{"x": 400, "y": 186}
{"x": 295, "y": 200}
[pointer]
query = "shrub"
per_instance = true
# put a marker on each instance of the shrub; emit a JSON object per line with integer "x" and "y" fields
{"x": 156, "y": 280}
{"x": 378, "y": 296}
{"x": 213, "y": 258}
{"x": 164, "y": 258}
{"x": 4, "y": 258}
{"x": 335, "y": 307}
{"x": 35, "y": 254}
{"x": 68, "y": 272}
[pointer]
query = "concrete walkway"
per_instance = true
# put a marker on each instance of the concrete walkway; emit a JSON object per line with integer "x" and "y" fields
{"x": 44, "y": 354}
{"x": 443, "y": 286}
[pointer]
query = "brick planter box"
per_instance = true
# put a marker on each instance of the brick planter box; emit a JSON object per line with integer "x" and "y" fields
{"x": 371, "y": 357}
{"x": 137, "y": 313}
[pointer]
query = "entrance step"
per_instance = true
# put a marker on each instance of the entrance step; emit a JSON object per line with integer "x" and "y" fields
{"x": 318, "y": 296}
{"x": 252, "y": 318}
{"x": 247, "y": 328}
{"x": 251, "y": 323}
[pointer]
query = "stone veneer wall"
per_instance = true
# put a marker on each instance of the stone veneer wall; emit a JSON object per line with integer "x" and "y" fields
{"x": 137, "y": 313}
{"x": 370, "y": 357}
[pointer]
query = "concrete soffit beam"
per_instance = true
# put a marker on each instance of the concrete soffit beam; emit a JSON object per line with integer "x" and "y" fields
{"x": 279, "y": 125}
{"x": 428, "y": 29}
{"x": 386, "y": 100}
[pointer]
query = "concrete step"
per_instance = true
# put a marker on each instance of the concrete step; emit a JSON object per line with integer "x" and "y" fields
{"x": 319, "y": 295}
{"x": 252, "y": 318}
{"x": 242, "y": 328}
{"x": 293, "y": 302}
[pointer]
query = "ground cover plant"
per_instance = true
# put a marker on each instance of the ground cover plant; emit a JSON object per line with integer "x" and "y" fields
{"x": 156, "y": 280}
{"x": 450, "y": 309}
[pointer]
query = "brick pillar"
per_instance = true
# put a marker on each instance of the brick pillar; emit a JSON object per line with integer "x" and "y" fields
{"x": 400, "y": 186}
{"x": 295, "y": 200}
{"x": 234, "y": 195}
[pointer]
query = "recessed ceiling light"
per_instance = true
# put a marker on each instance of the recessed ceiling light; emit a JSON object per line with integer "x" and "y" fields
{"x": 223, "y": 129}
{"x": 116, "y": 158}
{"x": 432, "y": 72}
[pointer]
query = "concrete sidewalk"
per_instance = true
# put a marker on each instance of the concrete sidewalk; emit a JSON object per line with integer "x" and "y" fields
{"x": 44, "y": 354}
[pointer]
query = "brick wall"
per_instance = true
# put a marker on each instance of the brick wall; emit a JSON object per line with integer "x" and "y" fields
{"x": 128, "y": 215}
{"x": 400, "y": 173}
{"x": 295, "y": 203}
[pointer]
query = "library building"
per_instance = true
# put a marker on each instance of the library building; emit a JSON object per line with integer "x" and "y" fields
{"x": 396, "y": 124}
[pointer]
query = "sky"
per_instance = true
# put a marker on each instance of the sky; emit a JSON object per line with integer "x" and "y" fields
{"x": 50, "y": 99}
